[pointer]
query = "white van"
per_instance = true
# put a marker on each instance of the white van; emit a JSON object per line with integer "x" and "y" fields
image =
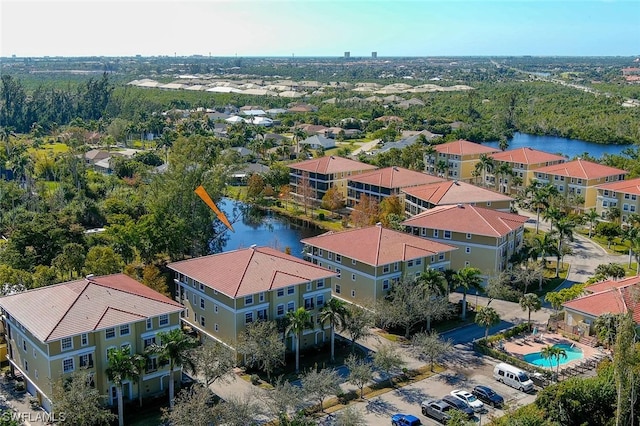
{"x": 512, "y": 376}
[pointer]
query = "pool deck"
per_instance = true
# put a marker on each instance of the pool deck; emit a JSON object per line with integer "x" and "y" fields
{"x": 523, "y": 346}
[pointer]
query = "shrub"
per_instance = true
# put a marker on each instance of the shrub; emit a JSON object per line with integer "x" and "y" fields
{"x": 255, "y": 379}
{"x": 321, "y": 216}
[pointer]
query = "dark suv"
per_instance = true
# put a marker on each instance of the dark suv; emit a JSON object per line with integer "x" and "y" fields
{"x": 458, "y": 404}
{"x": 488, "y": 396}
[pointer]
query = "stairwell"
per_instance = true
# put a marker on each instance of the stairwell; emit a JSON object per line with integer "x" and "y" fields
{"x": 589, "y": 341}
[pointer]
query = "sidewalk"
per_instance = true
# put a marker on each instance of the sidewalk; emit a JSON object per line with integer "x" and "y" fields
{"x": 18, "y": 404}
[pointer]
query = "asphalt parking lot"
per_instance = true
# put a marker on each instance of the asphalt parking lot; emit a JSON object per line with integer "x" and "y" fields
{"x": 378, "y": 410}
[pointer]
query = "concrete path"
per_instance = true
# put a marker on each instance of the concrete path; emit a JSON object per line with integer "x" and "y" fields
{"x": 366, "y": 147}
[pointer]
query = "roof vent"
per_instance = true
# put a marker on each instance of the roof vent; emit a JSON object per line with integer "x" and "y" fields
{"x": 395, "y": 168}
{"x": 253, "y": 246}
{"x": 379, "y": 224}
{"x": 459, "y": 206}
{"x": 332, "y": 157}
{"x": 89, "y": 276}
{"x": 455, "y": 182}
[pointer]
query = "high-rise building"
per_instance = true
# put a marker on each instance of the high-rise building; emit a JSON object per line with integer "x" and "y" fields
{"x": 347, "y": 54}
{"x": 374, "y": 55}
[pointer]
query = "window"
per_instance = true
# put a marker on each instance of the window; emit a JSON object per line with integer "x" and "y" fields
{"x": 441, "y": 256}
{"x": 320, "y": 252}
{"x": 330, "y": 256}
{"x": 215, "y": 327}
{"x": 338, "y": 258}
{"x": 261, "y": 297}
{"x": 353, "y": 277}
{"x": 337, "y": 288}
{"x": 124, "y": 330}
{"x": 66, "y": 343}
{"x": 110, "y": 333}
{"x": 320, "y": 301}
{"x": 418, "y": 261}
{"x": 423, "y": 232}
{"x": 338, "y": 272}
{"x": 385, "y": 285}
{"x": 84, "y": 339}
{"x": 353, "y": 261}
{"x": 152, "y": 365}
{"x": 447, "y": 235}
{"x": 467, "y": 263}
{"x": 149, "y": 341}
{"x": 262, "y": 315}
{"x": 468, "y": 236}
{"x": 308, "y": 304}
{"x": 194, "y": 299}
{"x": 291, "y": 306}
{"x": 215, "y": 308}
{"x": 280, "y": 310}
{"x": 410, "y": 263}
{"x": 248, "y": 300}
{"x": 67, "y": 365}
{"x": 202, "y": 303}
{"x": 353, "y": 293}
{"x": 163, "y": 320}
{"x": 86, "y": 361}
{"x": 248, "y": 318}
{"x": 291, "y": 290}
{"x": 201, "y": 287}
{"x": 309, "y": 286}
{"x": 626, "y": 196}
{"x": 36, "y": 374}
{"x": 467, "y": 250}
{"x": 320, "y": 284}
{"x": 435, "y": 233}
{"x": 605, "y": 203}
{"x": 34, "y": 353}
{"x": 396, "y": 266}
{"x": 202, "y": 322}
{"x": 385, "y": 269}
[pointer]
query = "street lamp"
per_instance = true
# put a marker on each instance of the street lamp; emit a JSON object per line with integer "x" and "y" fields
{"x": 476, "y": 300}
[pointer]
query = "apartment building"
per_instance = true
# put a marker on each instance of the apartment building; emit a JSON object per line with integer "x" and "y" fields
{"x": 622, "y": 194}
{"x": 579, "y": 178}
{"x": 418, "y": 199}
{"x": 367, "y": 261}
{"x": 522, "y": 162}
{"x": 455, "y": 160}
{"x": 312, "y": 178}
{"x": 225, "y": 292}
{"x": 56, "y": 330}
{"x": 383, "y": 183}
{"x": 485, "y": 238}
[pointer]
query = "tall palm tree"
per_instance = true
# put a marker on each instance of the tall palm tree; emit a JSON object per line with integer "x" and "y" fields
{"x": 591, "y": 217}
{"x": 551, "y": 352}
{"x": 553, "y": 214}
{"x": 530, "y": 302}
{"x": 174, "y": 348}
{"x": 120, "y": 368}
{"x": 468, "y": 278}
{"x": 335, "y": 313}
{"x": 606, "y": 327}
{"x": 486, "y": 165}
{"x": 543, "y": 247}
{"x": 139, "y": 365}
{"x": 565, "y": 229}
{"x": 540, "y": 197}
{"x": 298, "y": 320}
{"x": 503, "y": 170}
{"x": 487, "y": 317}
{"x": 434, "y": 284}
{"x": 298, "y": 135}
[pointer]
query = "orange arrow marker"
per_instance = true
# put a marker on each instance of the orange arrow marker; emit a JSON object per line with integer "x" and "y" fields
{"x": 202, "y": 193}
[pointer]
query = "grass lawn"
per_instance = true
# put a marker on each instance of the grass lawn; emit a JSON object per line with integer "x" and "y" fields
{"x": 617, "y": 246}
{"x": 56, "y": 148}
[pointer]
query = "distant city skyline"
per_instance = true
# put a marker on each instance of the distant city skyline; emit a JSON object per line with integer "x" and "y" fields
{"x": 305, "y": 28}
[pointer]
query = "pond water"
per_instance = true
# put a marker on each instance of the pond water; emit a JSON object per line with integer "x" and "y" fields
{"x": 572, "y": 352}
{"x": 253, "y": 226}
{"x": 556, "y": 145}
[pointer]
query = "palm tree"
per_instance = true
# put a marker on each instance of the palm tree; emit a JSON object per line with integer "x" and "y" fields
{"x": 120, "y": 368}
{"x": 606, "y": 327}
{"x": 434, "y": 283}
{"x": 544, "y": 247}
{"x": 591, "y": 217}
{"x": 441, "y": 168}
{"x": 551, "y": 352}
{"x": 298, "y": 320}
{"x": 530, "y": 302}
{"x": 174, "y": 348}
{"x": 140, "y": 365}
{"x": 486, "y": 164}
{"x": 553, "y": 215}
{"x": 540, "y": 197}
{"x": 487, "y": 317}
{"x": 503, "y": 170}
{"x": 468, "y": 278}
{"x": 335, "y": 313}
{"x": 298, "y": 134}
{"x": 565, "y": 230}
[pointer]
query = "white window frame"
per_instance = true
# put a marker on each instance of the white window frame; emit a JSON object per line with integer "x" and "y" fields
{"x": 149, "y": 323}
{"x": 68, "y": 366}
{"x": 108, "y": 331}
{"x": 84, "y": 339}
{"x": 248, "y": 300}
{"x": 163, "y": 320}
{"x": 291, "y": 306}
{"x": 68, "y": 346}
{"x": 125, "y": 330}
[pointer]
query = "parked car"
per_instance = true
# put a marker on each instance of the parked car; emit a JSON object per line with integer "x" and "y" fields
{"x": 436, "y": 409}
{"x": 458, "y": 404}
{"x": 469, "y": 398}
{"x": 488, "y": 395}
{"x": 405, "y": 420}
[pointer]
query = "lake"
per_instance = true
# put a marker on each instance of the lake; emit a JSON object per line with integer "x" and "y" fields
{"x": 253, "y": 226}
{"x": 556, "y": 145}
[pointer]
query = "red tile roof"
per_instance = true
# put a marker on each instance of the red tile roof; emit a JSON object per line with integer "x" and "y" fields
{"x": 631, "y": 186}
{"x": 376, "y": 245}
{"x": 395, "y": 177}
{"x": 462, "y": 147}
{"x": 331, "y": 164}
{"x": 615, "y": 297}
{"x": 454, "y": 192}
{"x": 468, "y": 219}
{"x": 242, "y": 272}
{"x": 581, "y": 169}
{"x": 526, "y": 156}
{"x": 86, "y": 305}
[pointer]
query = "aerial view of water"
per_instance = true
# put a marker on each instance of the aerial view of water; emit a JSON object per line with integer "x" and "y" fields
{"x": 572, "y": 352}
{"x": 568, "y": 147}
{"x": 253, "y": 226}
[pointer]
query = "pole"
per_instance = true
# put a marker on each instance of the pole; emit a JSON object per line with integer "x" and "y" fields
{"x": 476, "y": 300}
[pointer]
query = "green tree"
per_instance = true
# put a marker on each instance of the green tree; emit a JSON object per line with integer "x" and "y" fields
{"x": 81, "y": 404}
{"x": 332, "y": 199}
{"x": 192, "y": 408}
{"x": 102, "y": 260}
{"x": 358, "y": 324}
{"x": 553, "y": 352}
{"x": 431, "y": 346}
{"x": 487, "y": 317}
{"x": 625, "y": 362}
{"x": 530, "y": 302}
{"x": 334, "y": 312}
{"x": 591, "y": 216}
{"x": 318, "y": 384}
{"x": 120, "y": 368}
{"x": 213, "y": 361}
{"x": 606, "y": 327}
{"x": 388, "y": 360}
{"x": 174, "y": 348}
{"x": 565, "y": 229}
{"x": 468, "y": 278}
{"x": 139, "y": 362}
{"x": 360, "y": 372}
{"x": 297, "y": 322}
{"x": 261, "y": 346}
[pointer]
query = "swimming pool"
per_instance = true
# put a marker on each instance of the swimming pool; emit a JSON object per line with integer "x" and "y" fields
{"x": 573, "y": 353}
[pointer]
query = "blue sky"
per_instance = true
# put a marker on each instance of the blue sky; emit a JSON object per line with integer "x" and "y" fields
{"x": 320, "y": 27}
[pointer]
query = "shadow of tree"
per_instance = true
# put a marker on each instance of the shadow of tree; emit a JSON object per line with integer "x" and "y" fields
{"x": 453, "y": 379}
{"x": 412, "y": 396}
{"x": 380, "y": 407}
